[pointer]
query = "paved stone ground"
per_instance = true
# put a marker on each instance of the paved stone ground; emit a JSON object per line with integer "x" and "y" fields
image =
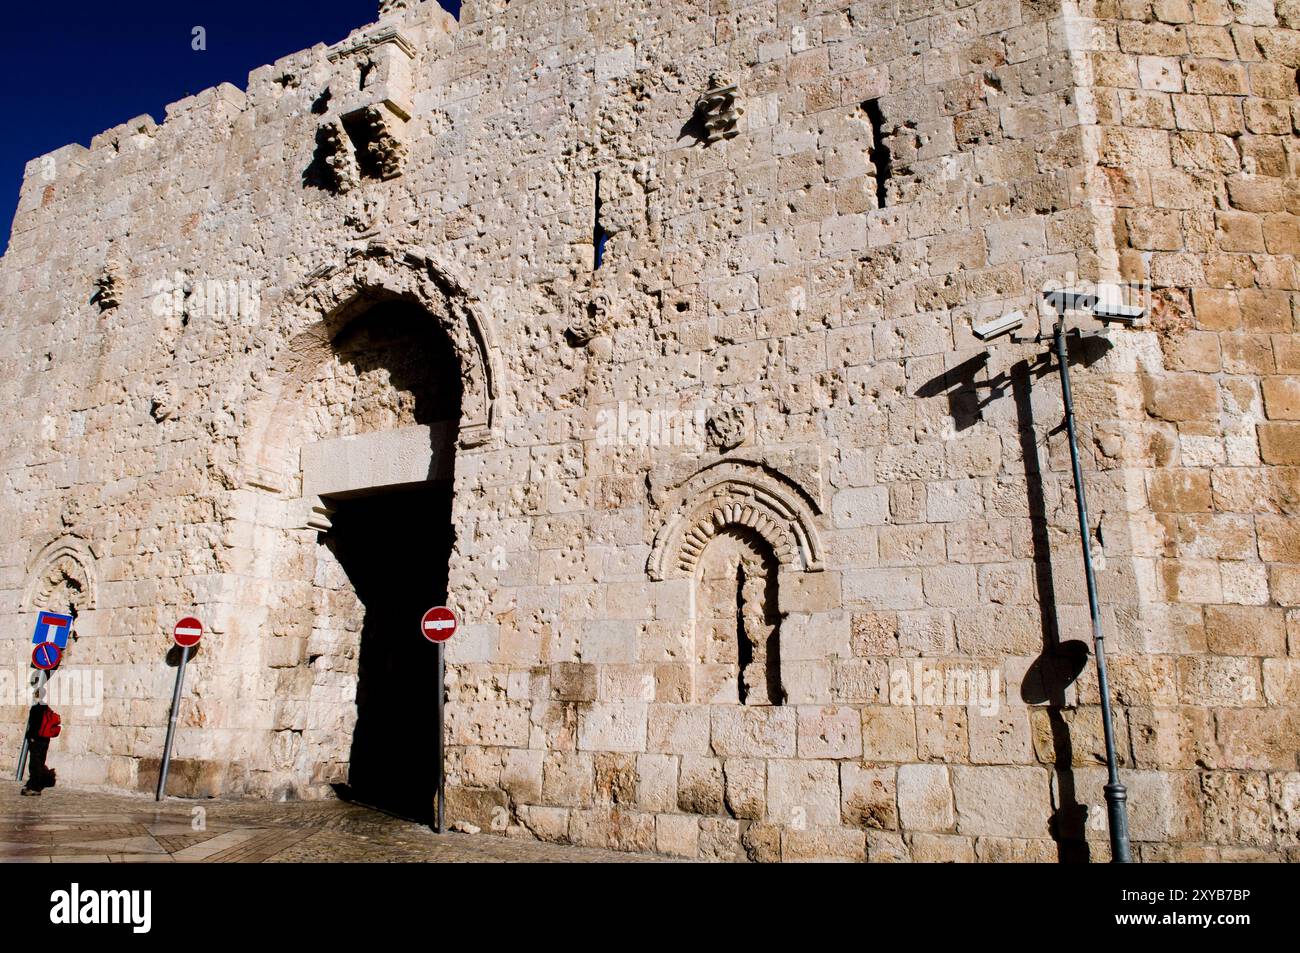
{"x": 65, "y": 825}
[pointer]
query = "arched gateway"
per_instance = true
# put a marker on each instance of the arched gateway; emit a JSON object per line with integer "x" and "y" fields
{"x": 384, "y": 371}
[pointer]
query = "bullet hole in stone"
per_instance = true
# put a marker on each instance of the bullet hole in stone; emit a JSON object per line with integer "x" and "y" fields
{"x": 683, "y": 306}
{"x": 881, "y": 158}
{"x": 598, "y": 234}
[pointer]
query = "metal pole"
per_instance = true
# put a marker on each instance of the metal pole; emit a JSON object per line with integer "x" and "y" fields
{"x": 441, "y": 816}
{"x": 171, "y": 724}
{"x": 41, "y": 679}
{"x": 1116, "y": 793}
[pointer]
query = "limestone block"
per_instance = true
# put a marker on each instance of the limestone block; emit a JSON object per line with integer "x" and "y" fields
{"x": 522, "y": 774}
{"x": 888, "y": 733}
{"x": 700, "y": 787}
{"x": 656, "y": 788}
{"x": 567, "y": 779}
{"x": 719, "y": 839}
{"x": 745, "y": 783}
{"x": 613, "y": 726}
{"x": 1001, "y": 801}
{"x": 803, "y": 793}
{"x": 925, "y": 799}
{"x": 829, "y": 732}
{"x": 677, "y": 835}
{"x": 493, "y": 723}
{"x": 823, "y": 845}
{"x": 678, "y": 729}
{"x": 757, "y": 731}
{"x": 868, "y": 796}
{"x": 942, "y": 849}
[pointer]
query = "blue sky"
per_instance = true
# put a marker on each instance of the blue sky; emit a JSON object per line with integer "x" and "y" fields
{"x": 73, "y": 69}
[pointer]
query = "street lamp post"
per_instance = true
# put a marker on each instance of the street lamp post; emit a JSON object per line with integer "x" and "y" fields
{"x": 1106, "y": 311}
{"x": 1116, "y": 793}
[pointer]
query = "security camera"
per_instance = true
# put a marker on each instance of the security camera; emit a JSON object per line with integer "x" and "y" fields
{"x": 1113, "y": 312}
{"x": 1070, "y": 299}
{"x": 998, "y": 326}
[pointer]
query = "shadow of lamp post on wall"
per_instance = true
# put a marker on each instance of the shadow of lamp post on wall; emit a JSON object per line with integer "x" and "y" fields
{"x": 1106, "y": 306}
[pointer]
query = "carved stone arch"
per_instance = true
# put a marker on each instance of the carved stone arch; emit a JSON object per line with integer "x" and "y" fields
{"x": 61, "y": 571}
{"x": 308, "y": 320}
{"x": 738, "y": 493}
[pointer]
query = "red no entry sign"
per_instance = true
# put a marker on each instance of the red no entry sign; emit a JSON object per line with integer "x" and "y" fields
{"x": 438, "y": 624}
{"x": 188, "y": 631}
{"x": 46, "y": 656}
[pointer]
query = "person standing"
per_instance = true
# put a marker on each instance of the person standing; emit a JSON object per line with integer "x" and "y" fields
{"x": 43, "y": 725}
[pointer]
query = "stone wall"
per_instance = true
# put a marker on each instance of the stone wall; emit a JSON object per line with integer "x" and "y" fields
{"x": 759, "y": 552}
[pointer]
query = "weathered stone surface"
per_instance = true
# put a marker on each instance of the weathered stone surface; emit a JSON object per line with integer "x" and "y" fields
{"x": 925, "y": 800}
{"x": 678, "y": 359}
{"x": 803, "y": 793}
{"x": 869, "y": 796}
{"x": 1005, "y": 802}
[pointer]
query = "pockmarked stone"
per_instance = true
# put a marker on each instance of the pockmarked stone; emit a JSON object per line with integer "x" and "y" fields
{"x": 645, "y": 344}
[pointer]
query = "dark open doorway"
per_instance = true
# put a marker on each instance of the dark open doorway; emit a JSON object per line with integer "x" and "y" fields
{"x": 396, "y": 368}
{"x": 395, "y": 548}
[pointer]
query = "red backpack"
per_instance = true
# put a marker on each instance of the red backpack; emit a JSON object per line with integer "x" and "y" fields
{"x": 51, "y": 724}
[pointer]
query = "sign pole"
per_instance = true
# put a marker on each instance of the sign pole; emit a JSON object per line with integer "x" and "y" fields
{"x": 186, "y": 634}
{"x": 171, "y": 724}
{"x": 22, "y": 752}
{"x": 438, "y": 625}
{"x": 441, "y": 754}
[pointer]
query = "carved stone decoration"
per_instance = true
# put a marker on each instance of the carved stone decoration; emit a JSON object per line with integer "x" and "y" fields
{"x": 163, "y": 402}
{"x": 384, "y": 150}
{"x": 593, "y": 318}
{"x": 716, "y": 112}
{"x": 740, "y": 494}
{"x": 728, "y": 428}
{"x": 108, "y": 287}
{"x": 61, "y": 577}
{"x": 365, "y": 108}
{"x": 336, "y": 154}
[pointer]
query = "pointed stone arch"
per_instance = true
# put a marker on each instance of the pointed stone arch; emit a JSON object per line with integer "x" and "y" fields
{"x": 309, "y": 319}
{"x": 740, "y": 493}
{"x": 66, "y": 565}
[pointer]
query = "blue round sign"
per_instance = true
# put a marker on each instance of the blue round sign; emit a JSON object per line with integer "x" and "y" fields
{"x": 46, "y": 656}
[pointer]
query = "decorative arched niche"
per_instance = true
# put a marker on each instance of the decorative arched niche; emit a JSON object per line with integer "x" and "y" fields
{"x": 310, "y": 319}
{"x": 61, "y": 578}
{"x": 732, "y": 528}
{"x": 741, "y": 493}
